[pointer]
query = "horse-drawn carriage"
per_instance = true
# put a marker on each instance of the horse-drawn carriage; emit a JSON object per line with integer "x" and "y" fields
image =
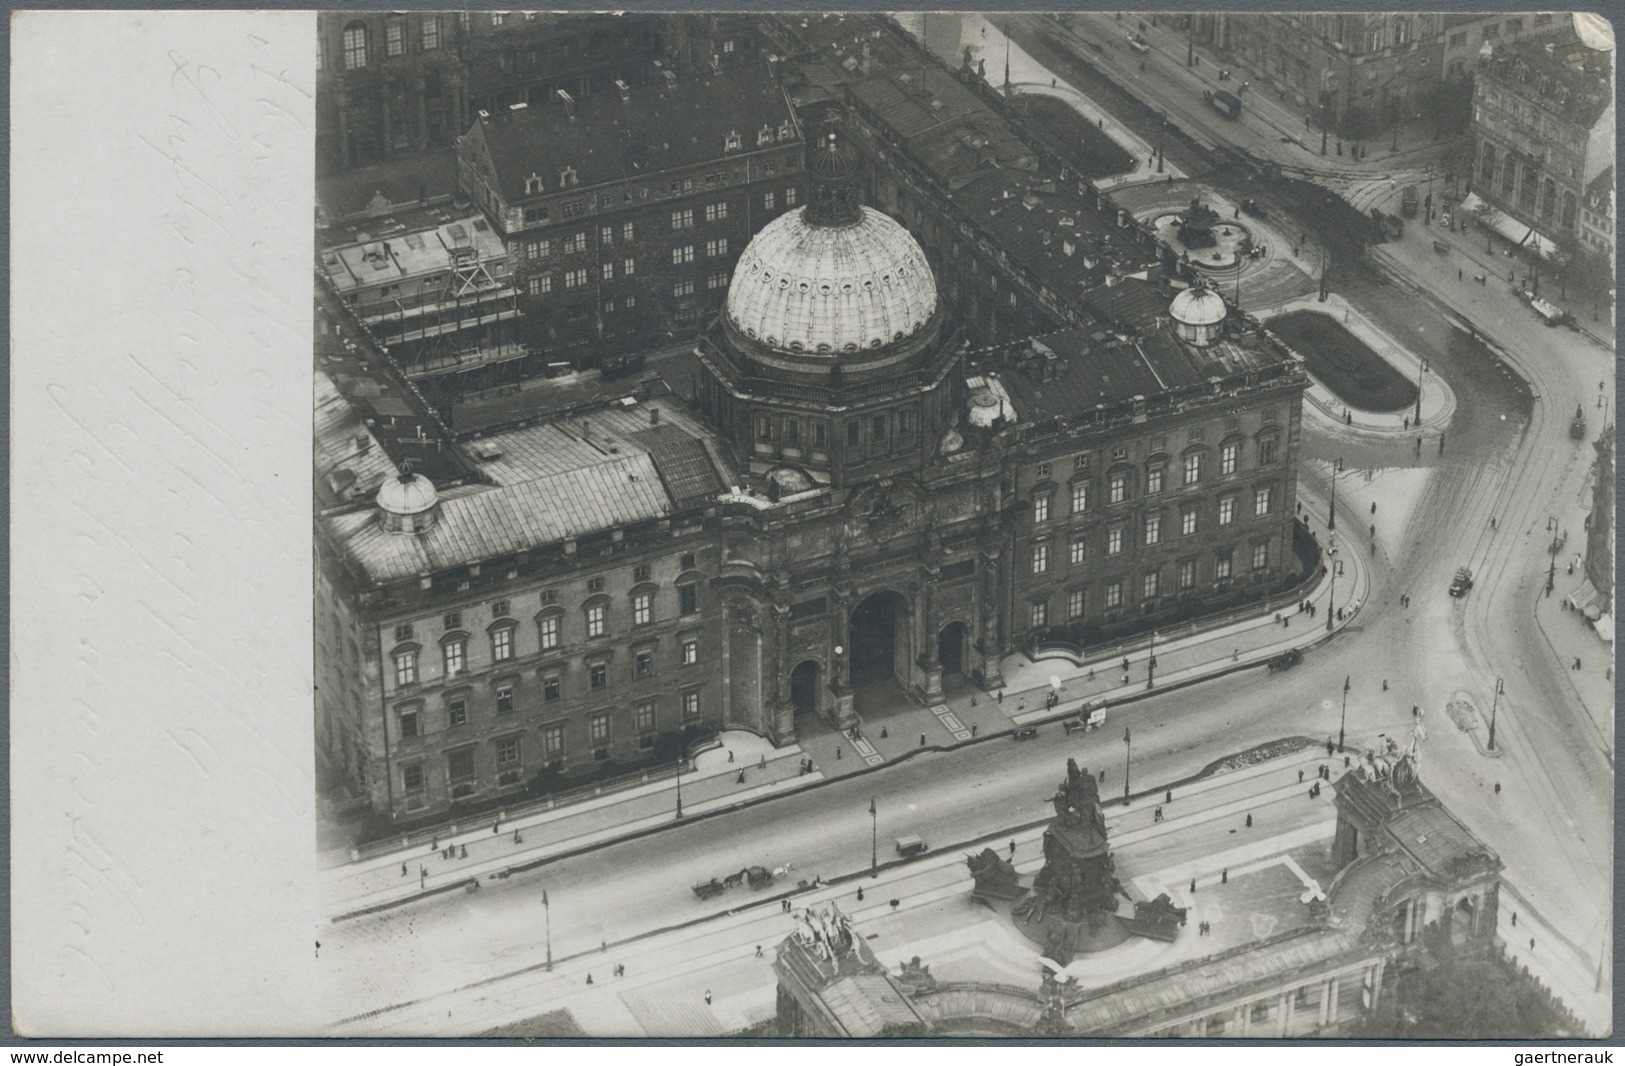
{"x": 1090, "y": 716}
{"x": 709, "y": 889}
{"x": 754, "y": 876}
{"x": 1285, "y": 661}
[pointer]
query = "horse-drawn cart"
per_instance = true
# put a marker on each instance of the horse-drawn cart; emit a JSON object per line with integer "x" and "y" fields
{"x": 708, "y": 889}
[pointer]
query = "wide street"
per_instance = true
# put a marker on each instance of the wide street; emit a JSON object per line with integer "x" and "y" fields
{"x": 1506, "y": 455}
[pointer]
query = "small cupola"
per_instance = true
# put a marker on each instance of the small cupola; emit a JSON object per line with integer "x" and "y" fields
{"x": 408, "y": 503}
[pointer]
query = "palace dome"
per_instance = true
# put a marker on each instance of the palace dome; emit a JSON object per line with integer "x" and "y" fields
{"x": 1200, "y": 306}
{"x": 834, "y": 276}
{"x": 407, "y": 502}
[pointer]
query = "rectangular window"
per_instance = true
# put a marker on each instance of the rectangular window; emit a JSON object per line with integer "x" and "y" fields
{"x": 1187, "y": 521}
{"x": 682, "y": 254}
{"x": 452, "y": 653}
{"x": 852, "y": 432}
{"x": 576, "y": 242}
{"x": 1041, "y": 471}
{"x": 499, "y": 609}
{"x": 767, "y": 201}
{"x": 456, "y": 712}
{"x": 403, "y": 632}
{"x": 504, "y": 699}
{"x": 643, "y": 663}
{"x": 1261, "y": 500}
{"x": 717, "y": 280}
{"x": 716, "y": 247}
{"x": 1074, "y": 604}
{"x": 1221, "y": 566}
{"x": 716, "y": 212}
{"x": 1114, "y": 594}
{"x": 550, "y": 687}
{"x": 595, "y": 584}
{"x": 1148, "y": 585}
{"x": 502, "y": 645}
{"x": 409, "y": 722}
{"x": 1153, "y": 529}
{"x": 606, "y": 235}
{"x": 431, "y": 33}
{"x": 688, "y": 599}
{"x": 683, "y": 288}
{"x": 1266, "y": 452}
{"x": 1077, "y": 551}
{"x": 1228, "y": 454}
{"x": 644, "y": 715}
{"x": 1459, "y": 40}
{"x": 629, "y": 267}
{"x": 1227, "y": 510}
{"x": 640, "y": 572}
{"x": 1261, "y": 555}
{"x": 540, "y": 285}
{"x": 1040, "y": 615}
{"x": 690, "y": 652}
{"x": 691, "y": 706}
{"x": 1040, "y": 558}
{"x": 574, "y": 279}
{"x": 598, "y": 675}
{"x": 412, "y": 778}
{"x": 460, "y": 765}
{"x": 395, "y": 37}
{"x": 1119, "y": 488}
{"x": 1187, "y": 573}
{"x": 683, "y": 219}
{"x": 606, "y": 270}
{"x": 1153, "y": 480}
{"x": 643, "y": 608}
{"x": 878, "y": 430}
{"x": 550, "y": 632}
{"x": 1040, "y": 508}
{"x": 507, "y": 751}
{"x": 1080, "y": 497}
{"x": 596, "y": 616}
{"x": 1114, "y": 540}
{"x": 355, "y": 47}
{"x": 1193, "y": 468}
{"x": 553, "y": 742}
{"x": 818, "y": 431}
{"x": 790, "y": 197}
{"x": 452, "y": 620}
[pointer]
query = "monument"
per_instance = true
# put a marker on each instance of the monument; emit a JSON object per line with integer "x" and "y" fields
{"x": 1074, "y": 900}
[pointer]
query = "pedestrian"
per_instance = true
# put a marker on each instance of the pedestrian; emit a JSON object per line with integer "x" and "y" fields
{"x": 837, "y": 754}
{"x": 1373, "y": 506}
{"x": 1514, "y": 919}
{"x": 403, "y": 869}
{"x": 1492, "y": 523}
{"x": 1249, "y": 821}
{"x": 973, "y": 729}
{"x": 1577, "y": 662}
{"x": 884, "y": 734}
{"x": 758, "y": 951}
{"x": 1458, "y": 274}
{"x": 1193, "y": 886}
{"x": 784, "y": 905}
{"x": 742, "y": 775}
{"x": 707, "y": 995}
{"x": 1235, "y": 654}
{"x": 860, "y": 893}
{"x": 1385, "y": 684}
{"x": 730, "y": 755}
{"x": 517, "y": 839}
{"x": 589, "y": 979}
{"x": 1168, "y": 797}
{"x": 1125, "y": 677}
{"x": 1156, "y": 815}
{"x": 1125, "y": 664}
{"x": 922, "y": 740}
{"x": 1373, "y": 529}
{"x": 423, "y": 871}
{"x": 761, "y": 764}
{"x": 896, "y": 903}
{"x": 494, "y": 827}
{"x": 1531, "y": 943}
{"x": 1021, "y": 704}
{"x": 1300, "y": 777}
{"x": 1224, "y": 876}
{"x": 1328, "y": 748}
{"x": 1001, "y": 695}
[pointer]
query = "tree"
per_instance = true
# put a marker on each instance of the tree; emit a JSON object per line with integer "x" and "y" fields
{"x": 1593, "y": 274}
{"x": 1462, "y": 999}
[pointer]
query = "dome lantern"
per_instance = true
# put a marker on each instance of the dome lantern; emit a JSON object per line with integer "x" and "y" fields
{"x": 831, "y": 174}
{"x": 1198, "y": 315}
{"x": 407, "y": 503}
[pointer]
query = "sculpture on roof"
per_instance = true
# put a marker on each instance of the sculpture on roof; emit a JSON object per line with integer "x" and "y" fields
{"x": 995, "y": 877}
{"x": 1393, "y": 766}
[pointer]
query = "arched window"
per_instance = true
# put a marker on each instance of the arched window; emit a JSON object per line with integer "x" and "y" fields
{"x": 355, "y": 45}
{"x": 1487, "y": 170}
{"x": 1509, "y": 176}
{"x": 1568, "y": 211}
{"x": 1528, "y": 188}
{"x": 1548, "y": 199}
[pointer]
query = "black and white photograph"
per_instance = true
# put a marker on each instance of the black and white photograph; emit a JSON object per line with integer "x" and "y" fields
{"x": 950, "y": 525}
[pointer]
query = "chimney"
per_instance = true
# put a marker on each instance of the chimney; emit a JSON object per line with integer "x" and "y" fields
{"x": 363, "y": 444}
{"x": 569, "y": 103}
{"x": 654, "y": 416}
{"x": 671, "y": 79}
{"x": 586, "y": 430}
{"x": 626, "y": 90}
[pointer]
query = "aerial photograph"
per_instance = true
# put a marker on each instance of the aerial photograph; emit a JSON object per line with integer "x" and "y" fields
{"x": 959, "y": 526}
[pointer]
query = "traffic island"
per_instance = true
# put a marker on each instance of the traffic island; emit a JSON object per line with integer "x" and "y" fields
{"x": 1342, "y": 362}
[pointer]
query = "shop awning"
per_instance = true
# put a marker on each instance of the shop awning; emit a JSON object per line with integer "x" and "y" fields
{"x": 1509, "y": 227}
{"x": 1585, "y": 600}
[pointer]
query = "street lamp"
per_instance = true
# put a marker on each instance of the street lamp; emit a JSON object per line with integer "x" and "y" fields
{"x": 1331, "y": 517}
{"x": 1551, "y": 572}
{"x": 1500, "y": 687}
{"x": 874, "y": 839}
{"x": 1128, "y": 757}
{"x": 1151, "y": 662}
{"x": 1343, "y": 718}
{"x": 1419, "y": 375}
{"x": 1331, "y": 597}
{"x": 1161, "y": 129}
{"x": 548, "y": 907}
{"x": 682, "y": 756}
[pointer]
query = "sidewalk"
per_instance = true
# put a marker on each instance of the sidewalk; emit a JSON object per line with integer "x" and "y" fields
{"x": 887, "y": 734}
{"x": 1569, "y": 637}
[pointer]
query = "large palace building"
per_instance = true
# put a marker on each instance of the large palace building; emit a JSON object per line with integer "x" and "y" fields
{"x": 834, "y": 504}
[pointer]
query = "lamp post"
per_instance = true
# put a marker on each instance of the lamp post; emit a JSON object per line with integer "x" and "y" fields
{"x": 1331, "y": 597}
{"x": 548, "y": 907}
{"x": 1500, "y": 687}
{"x": 1420, "y": 374}
{"x": 1162, "y": 127}
{"x": 1551, "y": 572}
{"x": 1331, "y": 516}
{"x": 1190, "y": 40}
{"x": 1151, "y": 662}
{"x": 874, "y": 839}
{"x": 1128, "y": 760}
{"x": 1343, "y": 718}
{"x": 682, "y": 757}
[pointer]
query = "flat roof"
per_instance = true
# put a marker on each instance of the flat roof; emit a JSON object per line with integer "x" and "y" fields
{"x": 385, "y": 255}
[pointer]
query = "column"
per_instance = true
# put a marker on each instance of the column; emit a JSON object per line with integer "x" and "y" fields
{"x": 840, "y": 680}
{"x": 1240, "y": 1019}
{"x": 929, "y": 663}
{"x": 1283, "y": 1010}
{"x": 1331, "y": 1005}
{"x": 1325, "y": 1002}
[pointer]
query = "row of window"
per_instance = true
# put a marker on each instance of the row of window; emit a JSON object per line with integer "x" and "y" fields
{"x": 508, "y": 751}
{"x": 1117, "y": 481}
{"x": 1152, "y": 527}
{"x": 354, "y": 41}
{"x": 881, "y": 429}
{"x": 552, "y": 684}
{"x": 1150, "y": 585}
